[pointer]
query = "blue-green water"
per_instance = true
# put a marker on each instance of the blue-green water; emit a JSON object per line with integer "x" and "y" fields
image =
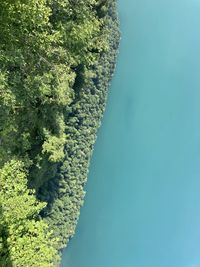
{"x": 142, "y": 207}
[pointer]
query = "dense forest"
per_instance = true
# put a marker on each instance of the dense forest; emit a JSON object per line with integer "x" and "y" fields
{"x": 56, "y": 61}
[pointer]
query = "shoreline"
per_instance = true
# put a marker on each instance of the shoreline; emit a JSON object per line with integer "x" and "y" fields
{"x": 62, "y": 214}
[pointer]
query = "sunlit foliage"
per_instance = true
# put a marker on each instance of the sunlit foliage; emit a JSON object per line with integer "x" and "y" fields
{"x": 56, "y": 61}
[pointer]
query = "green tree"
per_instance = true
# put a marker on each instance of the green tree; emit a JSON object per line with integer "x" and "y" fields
{"x": 46, "y": 50}
{"x": 56, "y": 61}
{"x": 25, "y": 240}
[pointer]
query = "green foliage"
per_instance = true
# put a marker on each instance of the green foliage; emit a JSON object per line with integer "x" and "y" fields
{"x": 46, "y": 48}
{"x": 25, "y": 240}
{"x": 36, "y": 79}
{"x": 65, "y": 191}
{"x": 56, "y": 61}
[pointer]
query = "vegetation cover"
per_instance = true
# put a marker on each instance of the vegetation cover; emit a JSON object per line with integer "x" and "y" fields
{"x": 56, "y": 61}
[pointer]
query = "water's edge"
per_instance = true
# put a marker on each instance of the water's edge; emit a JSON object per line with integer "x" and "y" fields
{"x": 142, "y": 203}
{"x": 94, "y": 103}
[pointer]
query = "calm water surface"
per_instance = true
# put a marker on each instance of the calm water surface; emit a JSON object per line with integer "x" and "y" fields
{"x": 142, "y": 207}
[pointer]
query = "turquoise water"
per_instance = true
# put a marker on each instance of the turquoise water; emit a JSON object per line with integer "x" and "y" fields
{"x": 142, "y": 207}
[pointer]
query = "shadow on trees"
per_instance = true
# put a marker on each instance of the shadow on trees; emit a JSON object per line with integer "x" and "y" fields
{"x": 64, "y": 193}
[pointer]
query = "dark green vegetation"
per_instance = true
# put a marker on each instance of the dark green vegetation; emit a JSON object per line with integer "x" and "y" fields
{"x": 56, "y": 61}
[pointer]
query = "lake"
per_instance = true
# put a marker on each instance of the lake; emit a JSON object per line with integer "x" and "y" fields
{"x": 142, "y": 207}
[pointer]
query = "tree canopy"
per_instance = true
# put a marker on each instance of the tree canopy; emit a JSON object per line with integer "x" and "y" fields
{"x": 56, "y": 61}
{"x": 24, "y": 239}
